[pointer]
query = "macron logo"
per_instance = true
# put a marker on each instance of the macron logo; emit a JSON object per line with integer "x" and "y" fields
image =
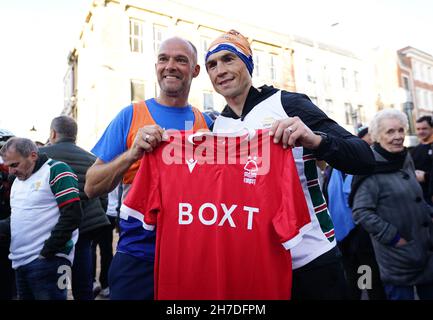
{"x": 191, "y": 164}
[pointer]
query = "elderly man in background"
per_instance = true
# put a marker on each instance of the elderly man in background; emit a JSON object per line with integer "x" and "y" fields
{"x": 45, "y": 215}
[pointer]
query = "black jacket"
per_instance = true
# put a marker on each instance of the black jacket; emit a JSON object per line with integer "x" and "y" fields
{"x": 80, "y": 160}
{"x": 342, "y": 150}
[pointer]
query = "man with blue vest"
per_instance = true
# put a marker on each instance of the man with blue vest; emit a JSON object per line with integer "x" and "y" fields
{"x": 137, "y": 129}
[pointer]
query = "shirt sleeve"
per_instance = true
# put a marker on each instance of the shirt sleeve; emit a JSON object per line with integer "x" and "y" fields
{"x": 64, "y": 186}
{"x": 113, "y": 141}
{"x": 293, "y": 218}
{"x": 143, "y": 200}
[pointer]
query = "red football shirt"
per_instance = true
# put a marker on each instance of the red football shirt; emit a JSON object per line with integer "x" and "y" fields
{"x": 227, "y": 210}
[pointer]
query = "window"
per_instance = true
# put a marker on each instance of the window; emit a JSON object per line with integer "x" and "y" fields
{"x": 208, "y": 101}
{"x": 431, "y": 100}
{"x": 418, "y": 98}
{"x": 309, "y": 70}
{"x": 424, "y": 73}
{"x": 344, "y": 78}
{"x": 356, "y": 80}
{"x": 328, "y": 106}
{"x": 429, "y": 75}
{"x": 258, "y": 61}
{"x": 326, "y": 77}
{"x": 136, "y": 35}
{"x": 158, "y": 35}
{"x": 69, "y": 87}
{"x": 348, "y": 112}
{"x": 358, "y": 115}
{"x": 204, "y": 45}
{"x": 273, "y": 66}
{"x": 137, "y": 90}
{"x": 406, "y": 83}
{"x": 415, "y": 70}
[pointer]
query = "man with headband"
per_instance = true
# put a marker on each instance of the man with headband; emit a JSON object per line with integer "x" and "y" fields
{"x": 293, "y": 118}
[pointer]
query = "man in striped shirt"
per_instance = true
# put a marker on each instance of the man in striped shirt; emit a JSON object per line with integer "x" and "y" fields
{"x": 45, "y": 215}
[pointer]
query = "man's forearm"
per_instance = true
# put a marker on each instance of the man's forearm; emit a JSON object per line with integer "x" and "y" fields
{"x": 103, "y": 177}
{"x": 344, "y": 151}
{"x": 69, "y": 220}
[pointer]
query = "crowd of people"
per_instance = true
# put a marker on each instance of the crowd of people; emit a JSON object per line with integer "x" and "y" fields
{"x": 375, "y": 210}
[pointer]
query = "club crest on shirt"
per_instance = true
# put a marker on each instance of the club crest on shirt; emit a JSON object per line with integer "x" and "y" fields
{"x": 267, "y": 122}
{"x": 35, "y": 186}
{"x": 251, "y": 170}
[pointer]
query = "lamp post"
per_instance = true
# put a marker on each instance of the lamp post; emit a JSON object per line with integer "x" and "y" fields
{"x": 405, "y": 99}
{"x": 408, "y": 107}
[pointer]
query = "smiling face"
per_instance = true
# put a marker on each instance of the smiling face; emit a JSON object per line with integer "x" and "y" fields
{"x": 176, "y": 66}
{"x": 228, "y": 74}
{"x": 391, "y": 135}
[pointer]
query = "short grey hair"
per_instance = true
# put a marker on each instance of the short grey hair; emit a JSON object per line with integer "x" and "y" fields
{"x": 23, "y": 146}
{"x": 376, "y": 123}
{"x": 65, "y": 127}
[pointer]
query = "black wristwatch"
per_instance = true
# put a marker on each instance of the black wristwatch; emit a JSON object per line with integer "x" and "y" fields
{"x": 325, "y": 137}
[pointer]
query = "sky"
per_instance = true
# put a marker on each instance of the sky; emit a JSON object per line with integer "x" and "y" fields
{"x": 36, "y": 37}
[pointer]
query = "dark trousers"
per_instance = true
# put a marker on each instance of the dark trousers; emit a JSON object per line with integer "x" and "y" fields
{"x": 105, "y": 242}
{"x": 130, "y": 278}
{"x": 7, "y": 275}
{"x": 82, "y": 269}
{"x": 357, "y": 251}
{"x": 395, "y": 292}
{"x": 41, "y": 279}
{"x": 321, "y": 279}
{"x": 351, "y": 265}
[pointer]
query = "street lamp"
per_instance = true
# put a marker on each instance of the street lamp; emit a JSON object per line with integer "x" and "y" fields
{"x": 408, "y": 107}
{"x": 405, "y": 99}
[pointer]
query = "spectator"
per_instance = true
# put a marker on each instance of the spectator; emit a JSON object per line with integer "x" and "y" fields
{"x": 7, "y": 279}
{"x": 63, "y": 134}
{"x": 422, "y": 156}
{"x": 105, "y": 243}
{"x": 352, "y": 240}
{"x": 45, "y": 214}
{"x": 390, "y": 207}
{"x": 365, "y": 135}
